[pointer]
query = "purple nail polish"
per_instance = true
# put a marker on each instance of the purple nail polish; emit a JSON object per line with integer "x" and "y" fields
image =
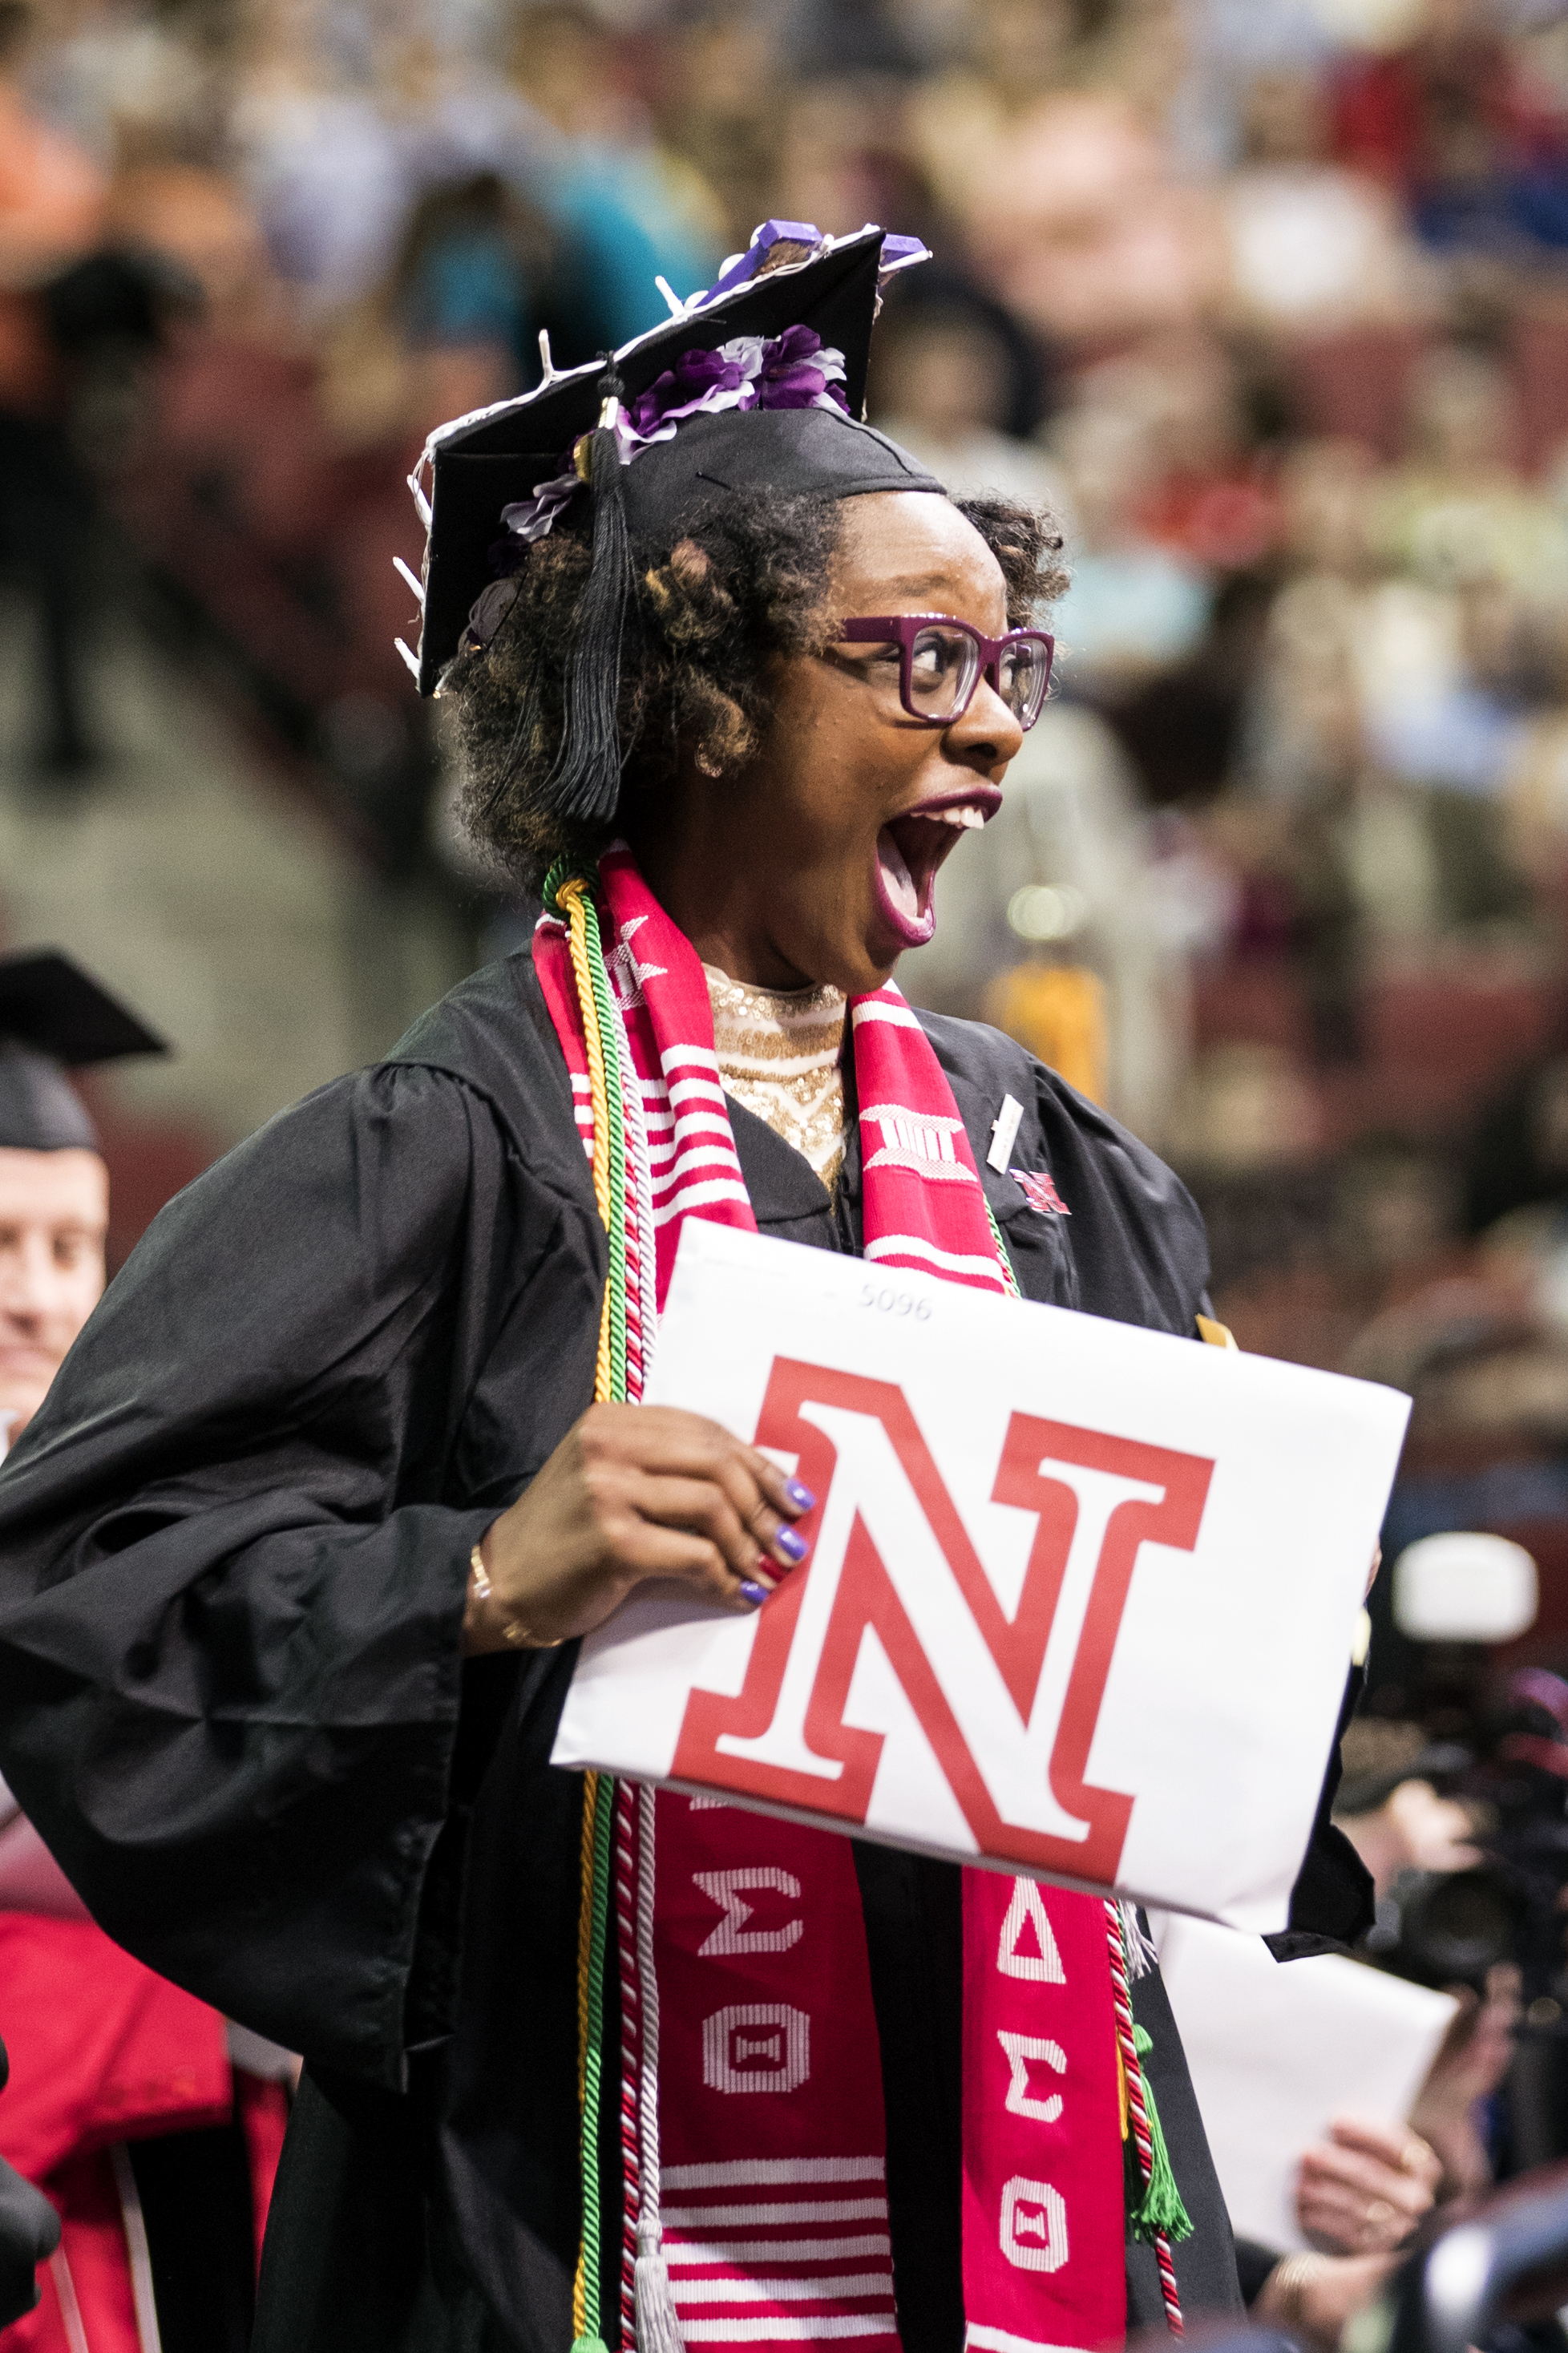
{"x": 793, "y": 1547}
{"x": 753, "y": 1593}
{"x": 800, "y": 1496}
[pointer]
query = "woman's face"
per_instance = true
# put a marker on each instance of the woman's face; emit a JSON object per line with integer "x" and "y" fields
{"x": 817, "y": 861}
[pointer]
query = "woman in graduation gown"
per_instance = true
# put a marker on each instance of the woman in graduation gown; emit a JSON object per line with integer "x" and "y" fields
{"x": 295, "y": 1556}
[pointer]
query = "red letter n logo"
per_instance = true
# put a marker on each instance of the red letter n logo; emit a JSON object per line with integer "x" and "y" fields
{"x": 1007, "y": 1700}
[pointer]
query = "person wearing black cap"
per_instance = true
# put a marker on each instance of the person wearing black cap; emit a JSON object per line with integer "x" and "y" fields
{"x": 293, "y": 1562}
{"x": 54, "y": 1187}
{"x": 54, "y": 1214}
{"x": 123, "y": 2105}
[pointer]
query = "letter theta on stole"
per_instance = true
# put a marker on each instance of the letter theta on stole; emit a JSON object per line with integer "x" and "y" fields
{"x": 1043, "y": 2227}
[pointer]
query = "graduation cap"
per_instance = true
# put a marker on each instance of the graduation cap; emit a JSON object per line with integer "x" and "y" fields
{"x": 793, "y": 297}
{"x": 54, "y": 1017}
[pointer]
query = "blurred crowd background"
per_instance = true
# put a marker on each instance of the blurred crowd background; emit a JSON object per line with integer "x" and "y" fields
{"x": 1268, "y": 298}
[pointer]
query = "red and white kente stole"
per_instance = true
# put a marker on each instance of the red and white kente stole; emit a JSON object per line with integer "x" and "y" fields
{"x": 752, "y": 2100}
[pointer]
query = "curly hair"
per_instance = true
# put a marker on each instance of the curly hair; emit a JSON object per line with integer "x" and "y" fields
{"x": 747, "y": 580}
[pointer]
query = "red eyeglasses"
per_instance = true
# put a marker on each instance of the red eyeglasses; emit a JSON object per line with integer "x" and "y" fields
{"x": 941, "y": 661}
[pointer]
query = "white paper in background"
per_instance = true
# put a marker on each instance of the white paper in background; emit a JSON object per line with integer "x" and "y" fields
{"x": 1276, "y": 2050}
{"x": 1080, "y": 1600}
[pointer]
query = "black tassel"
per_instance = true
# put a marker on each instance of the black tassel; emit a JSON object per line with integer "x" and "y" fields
{"x": 585, "y": 785}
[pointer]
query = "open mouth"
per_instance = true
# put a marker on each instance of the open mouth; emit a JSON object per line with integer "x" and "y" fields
{"x": 911, "y": 849}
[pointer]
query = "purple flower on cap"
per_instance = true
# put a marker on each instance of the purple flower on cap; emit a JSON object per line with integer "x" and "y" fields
{"x": 531, "y": 518}
{"x": 797, "y": 372}
{"x": 701, "y": 381}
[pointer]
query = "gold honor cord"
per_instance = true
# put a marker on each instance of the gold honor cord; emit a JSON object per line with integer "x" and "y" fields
{"x": 572, "y": 898}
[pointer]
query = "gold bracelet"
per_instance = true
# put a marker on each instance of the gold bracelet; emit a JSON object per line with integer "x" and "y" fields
{"x": 1297, "y": 2273}
{"x": 512, "y": 1630}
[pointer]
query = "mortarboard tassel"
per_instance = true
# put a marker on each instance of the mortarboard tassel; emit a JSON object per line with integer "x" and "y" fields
{"x": 585, "y": 782}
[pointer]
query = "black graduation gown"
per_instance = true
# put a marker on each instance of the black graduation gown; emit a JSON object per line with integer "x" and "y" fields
{"x": 234, "y": 1552}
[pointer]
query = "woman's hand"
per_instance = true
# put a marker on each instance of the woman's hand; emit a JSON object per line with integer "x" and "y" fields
{"x": 634, "y": 1494}
{"x": 1363, "y": 2191}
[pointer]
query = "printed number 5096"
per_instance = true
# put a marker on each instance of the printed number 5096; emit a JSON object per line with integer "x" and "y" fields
{"x": 890, "y": 1301}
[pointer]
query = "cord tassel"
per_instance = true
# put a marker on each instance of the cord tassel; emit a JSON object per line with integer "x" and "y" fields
{"x": 1142, "y": 1954}
{"x": 1159, "y": 2207}
{"x": 658, "y": 2330}
{"x": 1138, "y": 2115}
{"x": 658, "y": 2324}
{"x": 585, "y": 783}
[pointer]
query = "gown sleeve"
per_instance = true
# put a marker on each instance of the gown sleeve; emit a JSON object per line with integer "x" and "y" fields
{"x": 232, "y": 1571}
{"x": 1138, "y": 1250}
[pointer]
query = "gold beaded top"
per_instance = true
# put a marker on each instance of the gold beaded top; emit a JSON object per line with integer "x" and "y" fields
{"x": 778, "y": 1052}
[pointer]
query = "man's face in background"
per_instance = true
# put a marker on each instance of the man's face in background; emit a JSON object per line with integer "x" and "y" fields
{"x": 54, "y": 1214}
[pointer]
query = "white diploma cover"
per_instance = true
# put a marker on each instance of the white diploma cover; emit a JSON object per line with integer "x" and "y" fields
{"x": 1277, "y": 2052}
{"x": 1080, "y": 1598}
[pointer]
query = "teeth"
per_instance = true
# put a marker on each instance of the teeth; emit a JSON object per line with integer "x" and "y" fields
{"x": 968, "y": 817}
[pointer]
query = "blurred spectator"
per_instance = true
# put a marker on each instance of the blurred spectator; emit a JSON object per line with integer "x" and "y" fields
{"x": 1207, "y": 499}
{"x": 129, "y": 85}
{"x": 1079, "y": 223}
{"x": 1458, "y": 510}
{"x": 835, "y": 163}
{"x": 632, "y": 208}
{"x": 1413, "y": 1830}
{"x": 194, "y": 218}
{"x": 468, "y": 294}
{"x": 716, "y": 96}
{"x": 1214, "y": 496}
{"x": 1013, "y": 54}
{"x": 1312, "y": 245}
{"x": 273, "y": 533}
{"x": 336, "y": 168}
{"x": 1133, "y": 607}
{"x": 950, "y": 383}
{"x": 1477, "y": 147}
{"x": 51, "y": 202}
{"x": 51, "y": 213}
{"x": 1306, "y": 717}
{"x": 1518, "y": 1161}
